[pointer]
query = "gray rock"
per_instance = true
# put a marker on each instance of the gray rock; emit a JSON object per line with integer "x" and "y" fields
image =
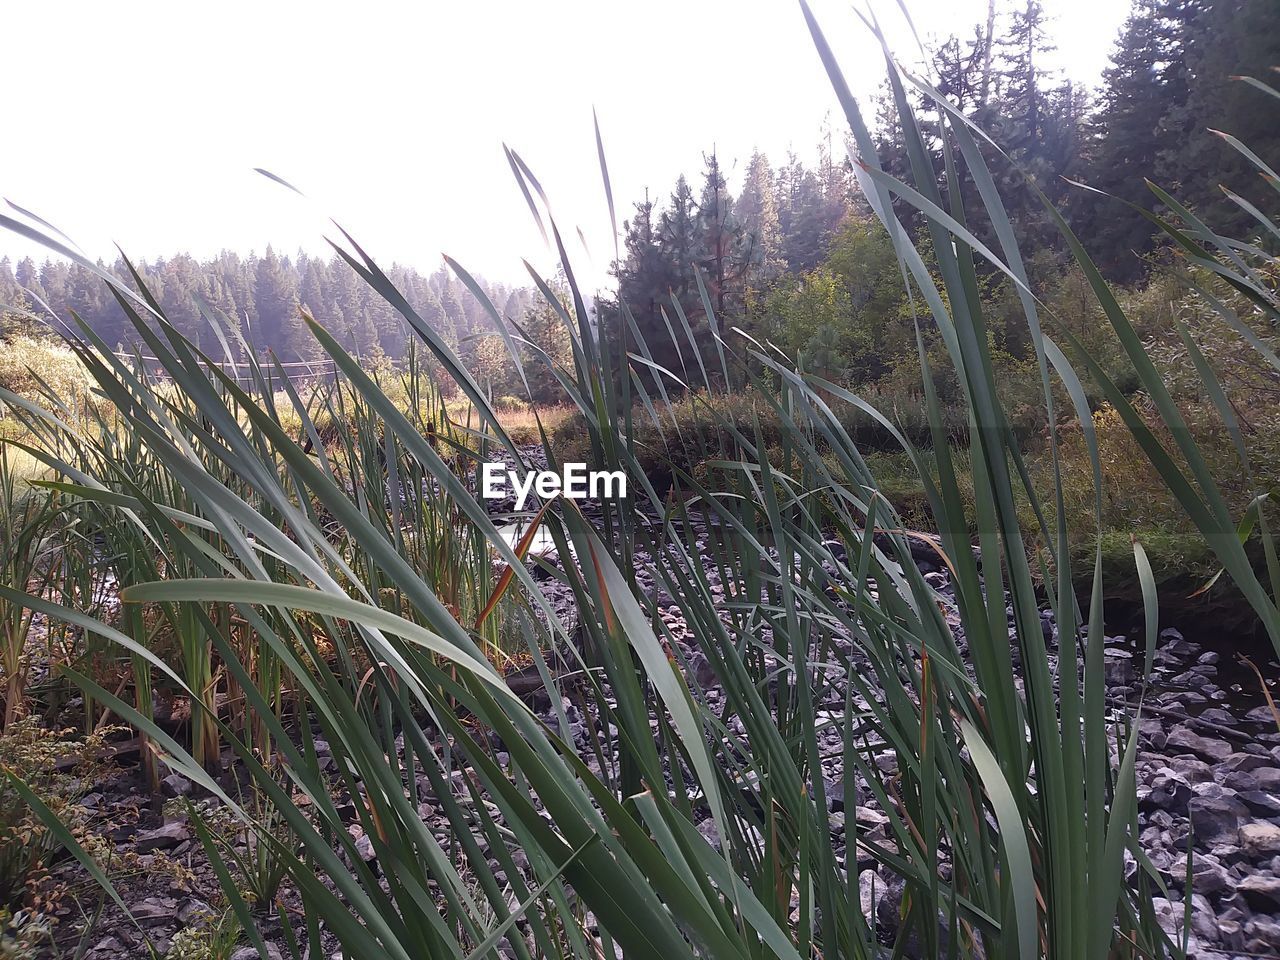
{"x": 1267, "y": 778}
{"x": 1204, "y": 923}
{"x": 153, "y": 909}
{"x": 1170, "y": 917}
{"x": 835, "y": 794}
{"x": 1215, "y": 819}
{"x": 1242, "y": 761}
{"x": 176, "y": 785}
{"x": 1265, "y": 934}
{"x": 710, "y": 832}
{"x": 1260, "y": 839}
{"x": 1208, "y": 876}
{"x": 162, "y": 838}
{"x": 194, "y": 910}
{"x": 1169, "y": 790}
{"x": 1182, "y": 739}
{"x": 251, "y": 953}
{"x": 1192, "y": 770}
{"x": 1260, "y": 803}
{"x": 1261, "y": 892}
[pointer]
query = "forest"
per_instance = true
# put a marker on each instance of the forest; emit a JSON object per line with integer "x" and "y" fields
{"x": 795, "y": 256}
{"x": 929, "y": 607}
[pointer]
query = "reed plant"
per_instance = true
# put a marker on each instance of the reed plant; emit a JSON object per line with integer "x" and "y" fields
{"x": 30, "y": 558}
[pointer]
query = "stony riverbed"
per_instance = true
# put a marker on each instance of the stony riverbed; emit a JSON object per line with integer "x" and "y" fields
{"x": 1208, "y": 773}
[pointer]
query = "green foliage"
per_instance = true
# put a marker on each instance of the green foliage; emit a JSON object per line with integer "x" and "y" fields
{"x": 31, "y": 365}
{"x": 257, "y": 298}
{"x": 60, "y": 768}
{"x": 30, "y": 554}
{"x": 212, "y": 936}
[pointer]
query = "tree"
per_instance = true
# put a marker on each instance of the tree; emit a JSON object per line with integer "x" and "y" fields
{"x": 757, "y": 210}
{"x": 723, "y": 245}
{"x": 1029, "y": 123}
{"x": 1224, "y": 39}
{"x": 276, "y": 296}
{"x": 678, "y": 238}
{"x": 1129, "y": 136}
{"x": 544, "y": 328}
{"x": 454, "y": 318}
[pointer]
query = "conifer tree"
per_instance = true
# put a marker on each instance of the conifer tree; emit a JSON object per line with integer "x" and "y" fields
{"x": 276, "y": 296}
{"x": 757, "y": 210}
{"x": 1129, "y": 137}
{"x": 1224, "y": 39}
{"x": 723, "y": 248}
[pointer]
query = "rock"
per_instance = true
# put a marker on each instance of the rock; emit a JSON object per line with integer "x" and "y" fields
{"x": 194, "y": 910}
{"x": 1170, "y": 917}
{"x": 153, "y": 909}
{"x": 835, "y": 794}
{"x": 869, "y": 818}
{"x": 1261, "y": 804}
{"x": 1261, "y": 892}
{"x": 176, "y": 785}
{"x": 1231, "y": 933}
{"x": 1265, "y": 934}
{"x": 704, "y": 673}
{"x": 1183, "y": 739}
{"x": 1260, "y": 839}
{"x": 162, "y": 838}
{"x": 1169, "y": 790}
{"x": 1215, "y": 819}
{"x": 251, "y": 953}
{"x": 1242, "y": 761}
{"x": 710, "y": 832}
{"x": 1208, "y": 876}
{"x": 1192, "y": 770}
{"x": 870, "y": 890}
{"x": 1204, "y": 923}
{"x": 1267, "y": 778}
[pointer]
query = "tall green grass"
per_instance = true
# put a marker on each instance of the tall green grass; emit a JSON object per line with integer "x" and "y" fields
{"x": 689, "y": 825}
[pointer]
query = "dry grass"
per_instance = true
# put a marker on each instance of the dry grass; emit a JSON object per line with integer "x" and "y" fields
{"x": 28, "y": 362}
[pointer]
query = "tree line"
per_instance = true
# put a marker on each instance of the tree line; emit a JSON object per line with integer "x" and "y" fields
{"x": 793, "y": 257}
{"x": 791, "y": 254}
{"x": 262, "y": 298}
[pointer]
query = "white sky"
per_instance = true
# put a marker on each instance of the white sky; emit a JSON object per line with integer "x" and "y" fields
{"x": 140, "y": 123}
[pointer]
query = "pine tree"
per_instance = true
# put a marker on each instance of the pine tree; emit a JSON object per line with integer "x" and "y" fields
{"x": 276, "y": 297}
{"x": 644, "y": 285}
{"x": 454, "y": 317}
{"x": 757, "y": 209}
{"x": 1129, "y": 137}
{"x": 1033, "y": 117}
{"x": 678, "y": 239}
{"x": 1224, "y": 39}
{"x": 723, "y": 249}
{"x": 543, "y": 327}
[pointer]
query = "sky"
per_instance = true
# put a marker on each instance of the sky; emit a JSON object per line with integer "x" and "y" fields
{"x": 141, "y": 124}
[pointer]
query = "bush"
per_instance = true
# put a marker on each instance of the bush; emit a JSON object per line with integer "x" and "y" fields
{"x": 26, "y": 362}
{"x": 60, "y": 769}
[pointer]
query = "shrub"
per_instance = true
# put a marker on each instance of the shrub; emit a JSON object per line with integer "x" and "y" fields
{"x": 60, "y": 769}
{"x": 29, "y": 365}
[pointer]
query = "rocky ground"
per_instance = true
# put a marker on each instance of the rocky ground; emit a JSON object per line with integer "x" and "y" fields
{"x": 1208, "y": 772}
